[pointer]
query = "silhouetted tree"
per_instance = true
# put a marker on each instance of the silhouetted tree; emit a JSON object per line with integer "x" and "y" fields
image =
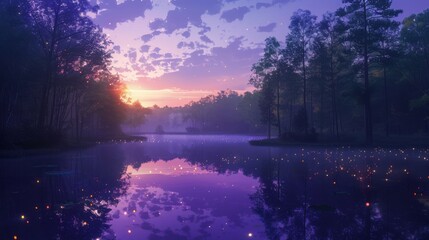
{"x": 55, "y": 78}
{"x": 298, "y": 42}
{"x": 415, "y": 45}
{"x": 366, "y": 22}
{"x": 266, "y": 76}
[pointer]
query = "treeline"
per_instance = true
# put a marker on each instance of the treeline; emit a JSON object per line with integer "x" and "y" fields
{"x": 227, "y": 112}
{"x": 54, "y": 80}
{"x": 223, "y": 112}
{"x": 355, "y": 71}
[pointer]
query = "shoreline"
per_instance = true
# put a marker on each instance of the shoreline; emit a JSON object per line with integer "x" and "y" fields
{"x": 392, "y": 142}
{"x": 23, "y": 151}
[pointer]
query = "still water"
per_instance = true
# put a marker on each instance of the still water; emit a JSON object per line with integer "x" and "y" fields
{"x": 215, "y": 187}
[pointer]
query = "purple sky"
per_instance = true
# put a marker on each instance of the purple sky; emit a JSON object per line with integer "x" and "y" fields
{"x": 170, "y": 52}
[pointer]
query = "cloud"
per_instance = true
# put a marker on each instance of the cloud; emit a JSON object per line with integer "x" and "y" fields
{"x": 267, "y": 28}
{"x": 190, "y": 45}
{"x": 144, "y": 48}
{"x": 260, "y": 5}
{"x": 227, "y": 66}
{"x": 155, "y": 55}
{"x": 186, "y": 34}
{"x": 156, "y": 24}
{"x": 111, "y": 13}
{"x": 117, "y": 48}
{"x": 132, "y": 55}
{"x": 147, "y": 37}
{"x": 170, "y": 63}
{"x": 205, "y": 39}
{"x": 187, "y": 12}
{"x": 235, "y": 14}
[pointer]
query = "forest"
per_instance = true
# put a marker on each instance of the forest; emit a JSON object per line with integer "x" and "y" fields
{"x": 55, "y": 83}
{"x": 356, "y": 69}
{"x": 353, "y": 70}
{"x": 226, "y": 112}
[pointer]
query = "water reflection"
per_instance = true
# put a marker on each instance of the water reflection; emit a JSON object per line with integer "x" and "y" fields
{"x": 177, "y": 200}
{"x": 217, "y": 187}
{"x": 318, "y": 193}
{"x": 65, "y": 196}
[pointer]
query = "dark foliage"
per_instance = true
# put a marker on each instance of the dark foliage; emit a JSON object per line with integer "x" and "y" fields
{"x": 54, "y": 80}
{"x": 360, "y": 70}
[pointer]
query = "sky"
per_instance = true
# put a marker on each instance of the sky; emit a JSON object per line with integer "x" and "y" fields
{"x": 171, "y": 52}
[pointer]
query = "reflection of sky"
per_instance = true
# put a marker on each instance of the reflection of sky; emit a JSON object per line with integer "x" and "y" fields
{"x": 189, "y": 48}
{"x": 174, "y": 167}
{"x": 208, "y": 187}
{"x": 340, "y": 182}
{"x": 176, "y": 200}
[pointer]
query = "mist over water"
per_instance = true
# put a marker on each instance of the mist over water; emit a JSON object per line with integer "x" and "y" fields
{"x": 209, "y": 187}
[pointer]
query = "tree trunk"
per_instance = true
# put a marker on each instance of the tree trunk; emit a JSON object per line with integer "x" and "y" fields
{"x": 386, "y": 102}
{"x": 291, "y": 116}
{"x": 311, "y": 108}
{"x": 278, "y": 109}
{"x": 269, "y": 122}
{"x": 367, "y": 95}
{"x": 305, "y": 92}
{"x": 321, "y": 114}
{"x": 334, "y": 97}
{"x": 49, "y": 74}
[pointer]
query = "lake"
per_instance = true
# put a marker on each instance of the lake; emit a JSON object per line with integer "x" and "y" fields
{"x": 215, "y": 187}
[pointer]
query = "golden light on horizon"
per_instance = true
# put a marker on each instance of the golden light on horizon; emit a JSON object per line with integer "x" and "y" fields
{"x": 172, "y": 97}
{"x": 175, "y": 167}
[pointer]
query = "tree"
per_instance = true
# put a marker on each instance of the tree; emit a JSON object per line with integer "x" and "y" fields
{"x": 331, "y": 60}
{"x": 415, "y": 44}
{"x": 298, "y": 42}
{"x": 18, "y": 60}
{"x": 71, "y": 43}
{"x": 388, "y": 51}
{"x": 267, "y": 78}
{"x": 136, "y": 114}
{"x": 415, "y": 37}
{"x": 366, "y": 21}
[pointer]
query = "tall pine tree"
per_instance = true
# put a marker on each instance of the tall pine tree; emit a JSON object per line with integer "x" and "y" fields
{"x": 366, "y": 22}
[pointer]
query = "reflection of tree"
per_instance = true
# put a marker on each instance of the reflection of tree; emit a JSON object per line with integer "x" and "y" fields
{"x": 280, "y": 203}
{"x": 327, "y": 194}
{"x": 331, "y": 186}
{"x": 290, "y": 193}
{"x": 65, "y": 197}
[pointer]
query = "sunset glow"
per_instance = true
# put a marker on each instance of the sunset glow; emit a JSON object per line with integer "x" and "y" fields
{"x": 175, "y": 167}
{"x": 182, "y": 50}
{"x": 214, "y": 119}
{"x": 162, "y": 97}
